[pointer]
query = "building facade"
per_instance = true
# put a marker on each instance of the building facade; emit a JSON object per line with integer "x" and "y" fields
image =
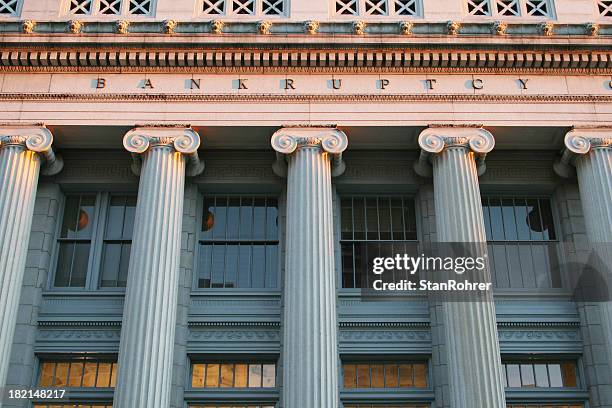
{"x": 190, "y": 192}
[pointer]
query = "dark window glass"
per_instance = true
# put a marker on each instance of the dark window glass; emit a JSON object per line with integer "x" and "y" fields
{"x": 369, "y": 226}
{"x": 117, "y": 241}
{"x": 75, "y": 241}
{"x": 522, "y": 242}
{"x": 239, "y": 242}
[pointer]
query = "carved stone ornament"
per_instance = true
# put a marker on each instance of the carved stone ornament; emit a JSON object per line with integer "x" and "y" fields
{"x": 359, "y": 27}
{"x": 311, "y": 27}
{"x": 169, "y": 26}
{"x": 264, "y": 27}
{"x": 36, "y": 139}
{"x": 499, "y": 27}
{"x": 581, "y": 142}
{"x": 28, "y": 26}
{"x": 592, "y": 29}
{"x": 289, "y": 139}
{"x": 406, "y": 27}
{"x": 122, "y": 26}
{"x": 216, "y": 26}
{"x": 547, "y": 28}
{"x": 75, "y": 26}
{"x": 182, "y": 139}
{"x": 434, "y": 140}
{"x": 453, "y": 27}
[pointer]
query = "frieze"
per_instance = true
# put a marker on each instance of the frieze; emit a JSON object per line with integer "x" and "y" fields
{"x": 66, "y": 335}
{"x": 540, "y": 335}
{"x": 384, "y": 336}
{"x": 234, "y": 335}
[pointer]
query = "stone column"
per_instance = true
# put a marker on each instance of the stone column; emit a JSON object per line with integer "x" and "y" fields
{"x": 22, "y": 152}
{"x": 310, "y": 349}
{"x": 472, "y": 347}
{"x": 149, "y": 316}
{"x": 590, "y": 151}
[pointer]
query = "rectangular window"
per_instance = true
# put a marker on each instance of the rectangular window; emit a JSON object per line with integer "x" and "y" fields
{"x": 386, "y": 406}
{"x": 371, "y": 226}
{"x": 233, "y": 375}
{"x": 531, "y": 405}
{"x": 239, "y": 242}
{"x": 111, "y": 7}
{"x": 510, "y": 8}
{"x": 117, "y": 241}
{"x": 604, "y": 7}
{"x": 385, "y": 375}
{"x": 78, "y": 372}
{"x": 271, "y": 8}
{"x": 75, "y": 241}
{"x": 541, "y": 374}
{"x": 79, "y": 405}
{"x": 522, "y": 242}
{"x": 224, "y": 405}
{"x": 378, "y": 8}
{"x": 10, "y": 8}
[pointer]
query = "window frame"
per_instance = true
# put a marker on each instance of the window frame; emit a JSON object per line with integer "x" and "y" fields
{"x": 94, "y": 264}
{"x": 16, "y": 14}
{"x": 267, "y": 396}
{"x": 198, "y": 244}
{"x": 545, "y": 396}
{"x": 338, "y": 230}
{"x": 96, "y": 14}
{"x": 390, "y": 14}
{"x": 387, "y": 396}
{"x": 530, "y": 194}
{"x": 494, "y": 14}
{"x": 257, "y": 15}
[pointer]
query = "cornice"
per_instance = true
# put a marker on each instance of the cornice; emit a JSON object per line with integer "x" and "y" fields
{"x": 402, "y": 58}
{"x": 305, "y": 98}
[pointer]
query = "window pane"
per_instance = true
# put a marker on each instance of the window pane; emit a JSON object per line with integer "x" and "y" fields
{"x": 513, "y": 375}
{"x": 46, "y": 374}
{"x": 212, "y": 375}
{"x": 406, "y": 375}
{"x": 363, "y": 376}
{"x": 378, "y": 373}
{"x": 241, "y": 375}
{"x": 84, "y": 224}
{"x": 391, "y": 376}
{"x": 350, "y": 375}
{"x": 541, "y": 374}
{"x": 527, "y": 376}
{"x": 420, "y": 375}
{"x": 61, "y": 374}
{"x": 254, "y": 375}
{"x": 79, "y": 264}
{"x": 104, "y": 373}
{"x": 115, "y": 218}
{"x": 570, "y": 378}
{"x": 89, "y": 376}
{"x": 76, "y": 374}
{"x": 197, "y": 375}
{"x": 110, "y": 265}
{"x": 269, "y": 375}
{"x": 71, "y": 213}
{"x": 554, "y": 375}
{"x": 64, "y": 264}
{"x": 227, "y": 375}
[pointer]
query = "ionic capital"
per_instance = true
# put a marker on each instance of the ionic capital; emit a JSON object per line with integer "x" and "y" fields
{"x": 434, "y": 140}
{"x": 178, "y": 138}
{"x": 327, "y": 139}
{"x": 579, "y": 142}
{"x": 37, "y": 139}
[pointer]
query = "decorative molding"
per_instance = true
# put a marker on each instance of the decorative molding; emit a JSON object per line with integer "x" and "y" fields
{"x": 79, "y": 323}
{"x": 216, "y": 26}
{"x": 28, "y": 26}
{"x": 17, "y": 59}
{"x": 537, "y": 324}
{"x": 453, "y": 27}
{"x": 183, "y": 139}
{"x": 168, "y": 26}
{"x": 580, "y": 142}
{"x": 540, "y": 335}
{"x": 122, "y": 26}
{"x": 234, "y": 335}
{"x": 499, "y": 27}
{"x": 359, "y": 27}
{"x": 67, "y": 335}
{"x": 311, "y": 27}
{"x": 36, "y": 139}
{"x": 234, "y": 324}
{"x": 406, "y": 27}
{"x": 75, "y": 26}
{"x": 592, "y": 29}
{"x": 547, "y": 28}
{"x": 435, "y": 139}
{"x": 412, "y": 325}
{"x": 288, "y": 139}
{"x": 384, "y": 335}
{"x": 305, "y": 97}
{"x": 264, "y": 27}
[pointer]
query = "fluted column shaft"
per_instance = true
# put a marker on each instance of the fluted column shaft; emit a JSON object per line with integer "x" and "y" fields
{"x": 149, "y": 316}
{"x": 20, "y": 162}
{"x": 474, "y": 362}
{"x": 591, "y": 153}
{"x": 310, "y": 351}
